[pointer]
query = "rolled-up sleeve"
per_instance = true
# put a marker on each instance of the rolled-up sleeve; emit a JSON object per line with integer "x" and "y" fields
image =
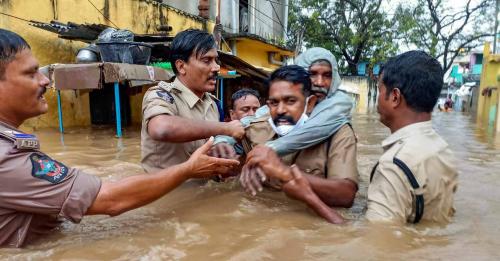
{"x": 81, "y": 196}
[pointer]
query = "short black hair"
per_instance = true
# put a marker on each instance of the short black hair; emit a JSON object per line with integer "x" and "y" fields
{"x": 188, "y": 42}
{"x": 243, "y": 93}
{"x": 417, "y": 75}
{"x": 10, "y": 44}
{"x": 292, "y": 73}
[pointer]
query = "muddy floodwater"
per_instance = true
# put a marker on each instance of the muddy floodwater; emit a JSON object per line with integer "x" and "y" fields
{"x": 220, "y": 222}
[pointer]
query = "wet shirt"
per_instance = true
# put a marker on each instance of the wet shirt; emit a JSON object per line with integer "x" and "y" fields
{"x": 390, "y": 195}
{"x": 37, "y": 193}
{"x": 333, "y": 159}
{"x": 173, "y": 99}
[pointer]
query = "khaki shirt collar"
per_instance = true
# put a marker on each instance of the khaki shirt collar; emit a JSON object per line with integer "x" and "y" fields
{"x": 406, "y": 132}
{"x": 5, "y": 125}
{"x": 189, "y": 95}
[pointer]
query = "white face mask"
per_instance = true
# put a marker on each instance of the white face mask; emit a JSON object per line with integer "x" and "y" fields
{"x": 283, "y": 130}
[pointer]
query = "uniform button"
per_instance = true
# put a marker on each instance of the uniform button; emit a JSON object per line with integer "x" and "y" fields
{"x": 308, "y": 170}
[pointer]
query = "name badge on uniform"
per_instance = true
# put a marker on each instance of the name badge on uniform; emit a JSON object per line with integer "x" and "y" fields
{"x": 22, "y": 141}
{"x": 26, "y": 141}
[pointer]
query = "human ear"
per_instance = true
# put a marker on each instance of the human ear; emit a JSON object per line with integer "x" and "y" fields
{"x": 180, "y": 65}
{"x": 232, "y": 115}
{"x": 312, "y": 99}
{"x": 396, "y": 97}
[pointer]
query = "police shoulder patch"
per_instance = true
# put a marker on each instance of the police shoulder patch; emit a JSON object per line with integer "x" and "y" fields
{"x": 48, "y": 169}
{"x": 166, "y": 96}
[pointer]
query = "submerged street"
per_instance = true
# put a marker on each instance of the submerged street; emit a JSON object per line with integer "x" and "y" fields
{"x": 221, "y": 222}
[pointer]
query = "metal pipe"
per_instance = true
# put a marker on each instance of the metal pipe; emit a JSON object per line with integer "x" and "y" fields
{"x": 252, "y": 14}
{"x": 117, "y": 111}
{"x": 234, "y": 50}
{"x": 495, "y": 39}
{"x": 235, "y": 15}
{"x": 221, "y": 99}
{"x": 59, "y": 112}
{"x": 285, "y": 20}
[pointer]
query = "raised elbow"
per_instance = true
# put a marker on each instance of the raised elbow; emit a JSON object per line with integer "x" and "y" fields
{"x": 347, "y": 198}
{"x": 106, "y": 203}
{"x": 160, "y": 131}
{"x": 115, "y": 211}
{"x": 348, "y": 202}
{"x": 158, "y": 135}
{"x": 345, "y": 202}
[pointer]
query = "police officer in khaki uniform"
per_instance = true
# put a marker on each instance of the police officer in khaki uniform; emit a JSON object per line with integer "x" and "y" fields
{"x": 415, "y": 179}
{"x": 36, "y": 191}
{"x": 330, "y": 166}
{"x": 178, "y": 117}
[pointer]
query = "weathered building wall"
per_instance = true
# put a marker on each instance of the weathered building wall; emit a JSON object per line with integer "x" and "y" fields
{"x": 139, "y": 16}
{"x": 489, "y": 99}
{"x": 256, "y": 53}
{"x": 187, "y": 6}
{"x": 362, "y": 85}
{"x": 268, "y": 21}
{"x": 230, "y": 15}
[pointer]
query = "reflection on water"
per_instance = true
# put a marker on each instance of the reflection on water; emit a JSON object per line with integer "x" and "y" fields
{"x": 220, "y": 222}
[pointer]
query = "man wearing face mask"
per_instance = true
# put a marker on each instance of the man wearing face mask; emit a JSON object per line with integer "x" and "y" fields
{"x": 332, "y": 112}
{"x": 330, "y": 166}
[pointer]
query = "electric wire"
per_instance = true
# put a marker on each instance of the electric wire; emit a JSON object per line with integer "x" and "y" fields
{"x": 264, "y": 14}
{"x": 13, "y": 16}
{"x": 90, "y": 2}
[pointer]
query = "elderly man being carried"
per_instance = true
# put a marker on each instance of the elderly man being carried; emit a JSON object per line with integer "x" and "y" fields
{"x": 330, "y": 165}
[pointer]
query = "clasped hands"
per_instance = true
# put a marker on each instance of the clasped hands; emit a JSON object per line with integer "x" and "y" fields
{"x": 263, "y": 163}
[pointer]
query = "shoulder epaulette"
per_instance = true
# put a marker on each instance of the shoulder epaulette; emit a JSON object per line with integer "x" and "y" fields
{"x": 22, "y": 141}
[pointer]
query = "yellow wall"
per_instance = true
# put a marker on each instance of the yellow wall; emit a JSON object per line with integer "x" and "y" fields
{"x": 359, "y": 83}
{"x": 488, "y": 106}
{"x": 255, "y": 53}
{"x": 139, "y": 16}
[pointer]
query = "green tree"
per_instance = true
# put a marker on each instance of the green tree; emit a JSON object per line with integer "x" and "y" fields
{"x": 354, "y": 30}
{"x": 444, "y": 30}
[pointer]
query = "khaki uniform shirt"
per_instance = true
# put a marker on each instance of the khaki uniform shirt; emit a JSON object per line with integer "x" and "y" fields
{"x": 173, "y": 99}
{"x": 390, "y": 195}
{"x": 36, "y": 192}
{"x": 332, "y": 159}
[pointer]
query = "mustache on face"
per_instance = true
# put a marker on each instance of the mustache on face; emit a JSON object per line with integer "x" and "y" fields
{"x": 213, "y": 77}
{"x": 282, "y": 118}
{"x": 43, "y": 91}
{"x": 318, "y": 89}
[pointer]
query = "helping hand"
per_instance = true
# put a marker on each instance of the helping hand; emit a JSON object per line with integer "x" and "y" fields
{"x": 267, "y": 159}
{"x": 235, "y": 129}
{"x": 223, "y": 150}
{"x": 200, "y": 165}
{"x": 251, "y": 179}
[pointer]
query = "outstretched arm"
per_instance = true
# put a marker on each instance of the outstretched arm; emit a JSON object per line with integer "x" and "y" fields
{"x": 115, "y": 198}
{"x": 334, "y": 192}
{"x": 262, "y": 162}
{"x": 177, "y": 129}
{"x": 299, "y": 188}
